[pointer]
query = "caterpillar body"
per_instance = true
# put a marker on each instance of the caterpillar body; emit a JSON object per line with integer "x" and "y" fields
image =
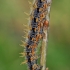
{"x": 37, "y": 23}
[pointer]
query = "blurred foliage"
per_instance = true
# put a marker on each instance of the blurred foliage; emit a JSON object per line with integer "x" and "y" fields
{"x": 12, "y": 18}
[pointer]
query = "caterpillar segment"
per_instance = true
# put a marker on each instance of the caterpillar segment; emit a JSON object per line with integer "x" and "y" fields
{"x": 37, "y": 22}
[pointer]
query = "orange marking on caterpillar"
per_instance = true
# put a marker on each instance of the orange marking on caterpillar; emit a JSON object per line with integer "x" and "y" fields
{"x": 46, "y": 24}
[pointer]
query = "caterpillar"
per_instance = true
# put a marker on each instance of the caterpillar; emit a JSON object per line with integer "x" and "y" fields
{"x": 37, "y": 22}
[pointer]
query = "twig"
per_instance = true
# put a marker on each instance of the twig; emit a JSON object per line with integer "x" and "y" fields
{"x": 45, "y": 38}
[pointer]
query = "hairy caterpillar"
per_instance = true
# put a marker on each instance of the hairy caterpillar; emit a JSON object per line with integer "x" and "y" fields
{"x": 38, "y": 21}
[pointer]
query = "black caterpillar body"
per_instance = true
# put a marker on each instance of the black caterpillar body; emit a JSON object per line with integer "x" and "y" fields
{"x": 38, "y": 17}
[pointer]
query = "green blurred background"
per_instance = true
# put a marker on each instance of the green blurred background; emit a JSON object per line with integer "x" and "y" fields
{"x": 12, "y": 18}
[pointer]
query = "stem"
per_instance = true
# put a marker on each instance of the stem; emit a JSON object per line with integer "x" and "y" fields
{"x": 43, "y": 51}
{"x": 45, "y": 39}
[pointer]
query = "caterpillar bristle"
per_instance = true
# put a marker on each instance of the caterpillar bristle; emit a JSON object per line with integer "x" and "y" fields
{"x": 31, "y": 17}
{"x": 23, "y": 45}
{"x": 26, "y": 13}
{"x": 23, "y": 54}
{"x": 30, "y": 2}
{"x": 27, "y": 18}
{"x": 30, "y": 27}
{"x": 23, "y": 62}
{"x": 34, "y": 6}
{"x": 22, "y": 41}
{"x": 25, "y": 25}
{"x": 24, "y": 37}
{"x": 26, "y": 30}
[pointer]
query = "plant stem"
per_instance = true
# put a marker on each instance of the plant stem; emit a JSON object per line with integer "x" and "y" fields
{"x": 45, "y": 39}
{"x": 43, "y": 51}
